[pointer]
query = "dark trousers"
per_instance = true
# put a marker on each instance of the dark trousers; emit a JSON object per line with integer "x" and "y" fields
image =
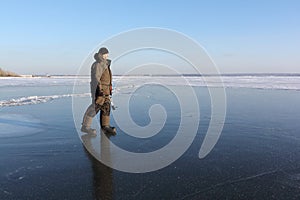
{"x": 93, "y": 110}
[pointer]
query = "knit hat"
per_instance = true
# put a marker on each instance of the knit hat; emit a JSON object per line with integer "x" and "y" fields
{"x": 103, "y": 51}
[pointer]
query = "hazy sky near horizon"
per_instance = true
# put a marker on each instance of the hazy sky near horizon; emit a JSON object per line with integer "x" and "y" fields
{"x": 55, "y": 37}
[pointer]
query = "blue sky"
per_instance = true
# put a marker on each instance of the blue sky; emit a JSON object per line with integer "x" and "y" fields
{"x": 39, "y": 37}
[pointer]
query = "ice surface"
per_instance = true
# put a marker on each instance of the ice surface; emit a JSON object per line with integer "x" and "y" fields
{"x": 259, "y": 82}
{"x": 42, "y": 81}
{"x": 244, "y": 81}
{"x": 36, "y": 99}
{"x": 123, "y": 84}
{"x": 17, "y": 125}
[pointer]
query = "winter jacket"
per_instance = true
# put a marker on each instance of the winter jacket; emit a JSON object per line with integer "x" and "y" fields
{"x": 101, "y": 77}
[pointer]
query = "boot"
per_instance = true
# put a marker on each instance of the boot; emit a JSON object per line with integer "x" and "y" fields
{"x": 86, "y": 125}
{"x": 90, "y": 131}
{"x": 108, "y": 130}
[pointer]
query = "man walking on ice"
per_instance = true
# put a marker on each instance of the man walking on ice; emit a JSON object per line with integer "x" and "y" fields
{"x": 101, "y": 89}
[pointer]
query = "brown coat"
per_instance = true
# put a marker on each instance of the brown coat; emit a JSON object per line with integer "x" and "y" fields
{"x": 106, "y": 81}
{"x": 101, "y": 77}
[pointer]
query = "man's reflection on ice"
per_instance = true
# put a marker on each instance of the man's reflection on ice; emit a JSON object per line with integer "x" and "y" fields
{"x": 102, "y": 174}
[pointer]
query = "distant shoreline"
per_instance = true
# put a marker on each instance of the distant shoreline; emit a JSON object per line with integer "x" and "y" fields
{"x": 160, "y": 75}
{"x": 225, "y": 74}
{"x": 4, "y": 73}
{"x": 200, "y": 75}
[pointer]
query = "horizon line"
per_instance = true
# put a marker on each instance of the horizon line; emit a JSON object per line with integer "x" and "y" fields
{"x": 187, "y": 74}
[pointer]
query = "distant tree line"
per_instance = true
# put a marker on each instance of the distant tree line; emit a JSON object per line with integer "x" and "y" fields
{"x": 7, "y": 73}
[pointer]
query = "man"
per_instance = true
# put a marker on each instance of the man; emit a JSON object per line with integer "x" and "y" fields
{"x": 101, "y": 89}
